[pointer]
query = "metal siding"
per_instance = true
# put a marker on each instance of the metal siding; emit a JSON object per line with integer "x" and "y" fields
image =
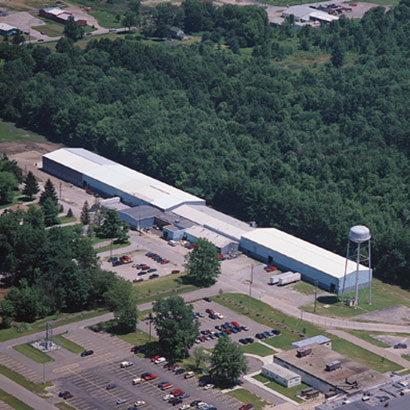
{"x": 308, "y": 273}
{"x": 62, "y": 172}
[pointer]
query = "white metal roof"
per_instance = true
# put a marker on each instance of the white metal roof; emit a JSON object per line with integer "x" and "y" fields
{"x": 321, "y": 15}
{"x": 200, "y": 232}
{"x": 320, "y": 339}
{"x": 6, "y": 27}
{"x": 302, "y": 251}
{"x": 214, "y": 220}
{"x": 281, "y": 371}
{"x": 125, "y": 179}
{"x": 297, "y": 11}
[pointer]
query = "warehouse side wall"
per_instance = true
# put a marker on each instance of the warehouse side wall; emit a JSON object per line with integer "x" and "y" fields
{"x": 62, "y": 172}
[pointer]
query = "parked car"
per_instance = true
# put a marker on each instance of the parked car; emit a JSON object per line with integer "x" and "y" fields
{"x": 184, "y": 407}
{"x": 149, "y": 376}
{"x": 152, "y": 270}
{"x": 168, "y": 397}
{"x": 180, "y": 371}
{"x": 174, "y": 401}
{"x": 400, "y": 346}
{"x": 246, "y": 407}
{"x": 126, "y": 364}
{"x": 184, "y": 396}
{"x": 175, "y": 271}
{"x": 209, "y": 386}
{"x": 154, "y": 275}
{"x": 160, "y": 360}
{"x": 87, "y": 353}
{"x": 249, "y": 340}
{"x": 207, "y": 299}
{"x": 111, "y": 386}
{"x": 139, "y": 403}
{"x": 65, "y": 395}
{"x": 276, "y": 332}
{"x": 138, "y": 280}
{"x": 121, "y": 401}
{"x": 188, "y": 375}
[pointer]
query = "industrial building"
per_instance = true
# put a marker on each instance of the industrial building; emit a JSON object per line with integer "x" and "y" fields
{"x": 320, "y": 340}
{"x": 7, "y": 30}
{"x": 281, "y": 375}
{"x": 60, "y": 15}
{"x": 314, "y": 263}
{"x": 108, "y": 178}
{"x": 181, "y": 215}
{"x": 349, "y": 377}
{"x": 303, "y": 14}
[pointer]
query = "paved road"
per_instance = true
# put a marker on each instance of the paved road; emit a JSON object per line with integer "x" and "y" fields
{"x": 24, "y": 395}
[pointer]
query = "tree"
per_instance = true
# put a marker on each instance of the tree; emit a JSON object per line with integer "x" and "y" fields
{"x": 31, "y": 187}
{"x": 85, "y": 214}
{"x": 228, "y": 362}
{"x": 48, "y": 193}
{"x": 121, "y": 300}
{"x": 113, "y": 227}
{"x": 73, "y": 30}
{"x": 202, "y": 265}
{"x": 50, "y": 212}
{"x": 200, "y": 355}
{"x": 8, "y": 183}
{"x": 175, "y": 325}
{"x": 130, "y": 20}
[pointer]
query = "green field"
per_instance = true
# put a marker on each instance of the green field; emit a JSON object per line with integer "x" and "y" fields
{"x": 9, "y": 132}
{"x": 306, "y": 288}
{"x": 14, "y": 402}
{"x": 106, "y": 19}
{"x": 51, "y": 28}
{"x": 32, "y": 353}
{"x": 246, "y": 397}
{"x": 151, "y": 289}
{"x": 368, "y": 338}
{"x": 383, "y": 296}
{"x": 22, "y": 381}
{"x": 290, "y": 392}
{"x": 60, "y": 319}
{"x": 64, "y": 406}
{"x": 364, "y": 356}
{"x": 112, "y": 247}
{"x": 68, "y": 344}
{"x": 258, "y": 349}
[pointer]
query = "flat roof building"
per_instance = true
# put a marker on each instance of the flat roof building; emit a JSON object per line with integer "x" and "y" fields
{"x": 7, "y": 30}
{"x": 351, "y": 376}
{"x": 108, "y": 178}
{"x": 313, "y": 262}
{"x": 321, "y": 340}
{"x": 281, "y": 375}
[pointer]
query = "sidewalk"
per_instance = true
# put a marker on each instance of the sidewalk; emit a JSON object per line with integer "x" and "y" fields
{"x": 24, "y": 395}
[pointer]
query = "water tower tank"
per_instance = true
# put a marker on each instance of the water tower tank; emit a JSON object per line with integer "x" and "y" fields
{"x": 359, "y": 234}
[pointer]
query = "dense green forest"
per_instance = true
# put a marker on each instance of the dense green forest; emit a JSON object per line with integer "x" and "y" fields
{"x": 311, "y": 151}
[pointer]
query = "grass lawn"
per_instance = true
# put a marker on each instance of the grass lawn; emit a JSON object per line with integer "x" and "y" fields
{"x": 22, "y": 381}
{"x": 149, "y": 289}
{"x": 33, "y": 353}
{"x": 383, "y": 296}
{"x": 68, "y": 344}
{"x": 66, "y": 219}
{"x": 405, "y": 372}
{"x": 367, "y": 337}
{"x": 290, "y": 392}
{"x": 364, "y": 356}
{"x": 106, "y": 19}
{"x": 406, "y": 357}
{"x": 14, "y": 402}
{"x": 258, "y": 349}
{"x": 246, "y": 396}
{"x": 9, "y": 132}
{"x": 16, "y": 200}
{"x": 60, "y": 319}
{"x": 113, "y": 247}
{"x": 306, "y": 288}
{"x": 64, "y": 406}
{"x": 51, "y": 28}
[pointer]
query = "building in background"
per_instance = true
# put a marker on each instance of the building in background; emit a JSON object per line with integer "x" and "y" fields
{"x": 320, "y": 340}
{"x": 60, "y": 15}
{"x": 7, "y": 30}
{"x": 281, "y": 375}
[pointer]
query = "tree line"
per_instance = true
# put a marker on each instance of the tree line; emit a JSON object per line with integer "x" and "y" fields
{"x": 311, "y": 151}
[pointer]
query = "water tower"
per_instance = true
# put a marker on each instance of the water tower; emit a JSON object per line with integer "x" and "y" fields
{"x": 358, "y": 250}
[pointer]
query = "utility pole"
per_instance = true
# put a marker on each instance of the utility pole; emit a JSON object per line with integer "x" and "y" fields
{"x": 111, "y": 248}
{"x": 60, "y": 190}
{"x": 150, "y": 321}
{"x": 250, "y": 290}
{"x": 44, "y": 373}
{"x": 316, "y": 285}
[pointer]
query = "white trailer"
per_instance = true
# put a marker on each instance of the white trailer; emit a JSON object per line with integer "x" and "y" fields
{"x": 289, "y": 279}
{"x": 275, "y": 279}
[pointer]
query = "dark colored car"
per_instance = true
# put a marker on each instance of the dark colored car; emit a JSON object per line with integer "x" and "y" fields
{"x": 112, "y": 259}
{"x": 152, "y": 270}
{"x": 243, "y": 341}
{"x": 154, "y": 275}
{"x": 400, "y": 346}
{"x": 266, "y": 333}
{"x": 111, "y": 386}
{"x": 249, "y": 340}
{"x": 87, "y": 353}
{"x": 180, "y": 371}
{"x": 116, "y": 263}
{"x": 174, "y": 401}
{"x": 260, "y": 336}
{"x": 195, "y": 402}
{"x": 276, "y": 331}
{"x": 207, "y": 300}
{"x": 65, "y": 395}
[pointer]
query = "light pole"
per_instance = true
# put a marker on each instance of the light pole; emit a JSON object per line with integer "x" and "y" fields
{"x": 316, "y": 285}
{"x": 250, "y": 290}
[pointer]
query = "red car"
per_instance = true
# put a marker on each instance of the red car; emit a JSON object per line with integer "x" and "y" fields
{"x": 236, "y": 324}
{"x": 166, "y": 386}
{"x": 177, "y": 392}
{"x": 175, "y": 271}
{"x": 164, "y": 261}
{"x": 155, "y": 358}
{"x": 138, "y": 280}
{"x": 246, "y": 407}
{"x": 270, "y": 268}
{"x": 172, "y": 366}
{"x": 210, "y": 311}
{"x": 150, "y": 376}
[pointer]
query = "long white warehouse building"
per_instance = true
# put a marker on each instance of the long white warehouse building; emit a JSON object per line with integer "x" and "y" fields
{"x": 108, "y": 178}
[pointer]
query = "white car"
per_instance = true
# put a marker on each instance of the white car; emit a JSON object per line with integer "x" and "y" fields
{"x": 218, "y": 315}
{"x": 121, "y": 401}
{"x": 201, "y": 405}
{"x": 126, "y": 364}
{"x": 139, "y": 403}
{"x": 168, "y": 397}
{"x": 184, "y": 407}
{"x": 160, "y": 360}
{"x": 209, "y": 386}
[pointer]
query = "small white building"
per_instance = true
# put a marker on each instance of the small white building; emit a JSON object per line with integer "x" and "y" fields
{"x": 281, "y": 375}
{"x": 320, "y": 340}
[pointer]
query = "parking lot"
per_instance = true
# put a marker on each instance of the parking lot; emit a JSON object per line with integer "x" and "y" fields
{"x": 89, "y": 387}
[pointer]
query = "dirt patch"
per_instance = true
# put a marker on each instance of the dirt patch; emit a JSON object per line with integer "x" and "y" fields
{"x": 396, "y": 314}
{"x": 23, "y": 147}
